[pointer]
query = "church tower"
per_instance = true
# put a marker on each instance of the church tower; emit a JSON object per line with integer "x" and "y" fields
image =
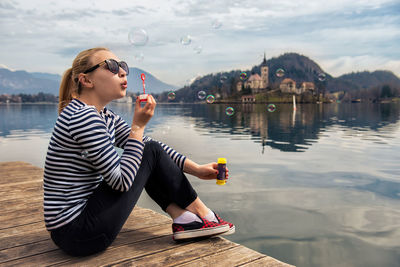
{"x": 264, "y": 73}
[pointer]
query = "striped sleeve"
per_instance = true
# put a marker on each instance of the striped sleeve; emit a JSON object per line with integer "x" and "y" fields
{"x": 178, "y": 158}
{"x": 89, "y": 130}
{"x": 122, "y": 131}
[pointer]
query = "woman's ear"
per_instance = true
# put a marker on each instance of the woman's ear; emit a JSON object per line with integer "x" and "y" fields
{"x": 85, "y": 81}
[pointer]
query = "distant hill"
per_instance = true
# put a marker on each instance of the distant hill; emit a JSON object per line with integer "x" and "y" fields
{"x": 366, "y": 79}
{"x": 48, "y": 76}
{"x": 16, "y": 82}
{"x": 297, "y": 67}
{"x": 153, "y": 85}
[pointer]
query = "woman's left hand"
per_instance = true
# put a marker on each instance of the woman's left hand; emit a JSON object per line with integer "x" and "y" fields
{"x": 208, "y": 171}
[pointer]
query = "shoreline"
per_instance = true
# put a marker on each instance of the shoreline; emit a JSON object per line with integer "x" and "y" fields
{"x": 384, "y": 101}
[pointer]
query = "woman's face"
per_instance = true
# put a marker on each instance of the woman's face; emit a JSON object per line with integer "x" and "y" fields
{"x": 107, "y": 85}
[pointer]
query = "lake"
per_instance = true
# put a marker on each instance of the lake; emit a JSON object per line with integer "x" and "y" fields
{"x": 319, "y": 186}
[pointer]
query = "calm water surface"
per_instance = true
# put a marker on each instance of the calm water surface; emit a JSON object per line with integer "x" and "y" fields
{"x": 315, "y": 187}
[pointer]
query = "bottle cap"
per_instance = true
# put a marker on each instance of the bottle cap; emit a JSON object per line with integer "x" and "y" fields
{"x": 221, "y": 160}
{"x": 221, "y": 182}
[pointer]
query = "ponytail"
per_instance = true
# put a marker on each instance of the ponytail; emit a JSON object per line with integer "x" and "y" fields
{"x": 66, "y": 88}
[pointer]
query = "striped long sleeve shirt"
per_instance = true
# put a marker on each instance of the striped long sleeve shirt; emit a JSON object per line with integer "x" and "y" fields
{"x": 81, "y": 154}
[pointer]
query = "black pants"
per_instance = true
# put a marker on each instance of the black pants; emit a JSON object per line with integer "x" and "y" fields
{"x": 107, "y": 210}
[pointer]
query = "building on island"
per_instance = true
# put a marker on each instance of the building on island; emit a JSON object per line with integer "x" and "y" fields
{"x": 239, "y": 86}
{"x": 288, "y": 86}
{"x": 307, "y": 86}
{"x": 248, "y": 99}
{"x": 256, "y": 82}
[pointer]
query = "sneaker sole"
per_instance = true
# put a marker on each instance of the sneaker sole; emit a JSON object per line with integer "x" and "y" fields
{"x": 201, "y": 232}
{"x": 230, "y": 231}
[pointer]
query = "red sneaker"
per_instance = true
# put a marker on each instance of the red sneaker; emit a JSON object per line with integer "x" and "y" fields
{"x": 231, "y": 225}
{"x": 198, "y": 229}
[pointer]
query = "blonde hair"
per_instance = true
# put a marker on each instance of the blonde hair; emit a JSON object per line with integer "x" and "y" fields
{"x": 70, "y": 86}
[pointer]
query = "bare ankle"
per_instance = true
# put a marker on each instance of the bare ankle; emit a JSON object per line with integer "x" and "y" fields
{"x": 198, "y": 207}
{"x": 174, "y": 210}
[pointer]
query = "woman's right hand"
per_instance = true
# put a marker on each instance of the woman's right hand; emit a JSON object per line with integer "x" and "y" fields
{"x": 143, "y": 114}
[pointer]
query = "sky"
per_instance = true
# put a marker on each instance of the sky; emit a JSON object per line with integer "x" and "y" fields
{"x": 341, "y": 36}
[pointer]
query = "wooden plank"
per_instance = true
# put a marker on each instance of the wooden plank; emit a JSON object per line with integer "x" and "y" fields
{"x": 136, "y": 228}
{"x": 21, "y": 203}
{"x": 46, "y": 246}
{"x": 20, "y": 230}
{"x": 144, "y": 240}
{"x": 231, "y": 257}
{"x": 7, "y": 256}
{"x": 31, "y": 233}
{"x": 13, "y": 172}
{"x": 25, "y": 174}
{"x": 23, "y": 219}
{"x": 20, "y": 213}
{"x": 12, "y": 165}
{"x": 267, "y": 261}
{"x": 129, "y": 251}
{"x": 25, "y": 234}
{"x": 112, "y": 254}
{"x": 184, "y": 254}
{"x": 44, "y": 259}
{"x": 21, "y": 190}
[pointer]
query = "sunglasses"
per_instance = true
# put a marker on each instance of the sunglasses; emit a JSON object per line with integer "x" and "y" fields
{"x": 112, "y": 65}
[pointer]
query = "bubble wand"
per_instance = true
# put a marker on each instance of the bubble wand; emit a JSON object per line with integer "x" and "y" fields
{"x": 143, "y": 97}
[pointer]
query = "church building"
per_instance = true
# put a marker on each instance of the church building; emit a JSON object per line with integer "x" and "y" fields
{"x": 256, "y": 82}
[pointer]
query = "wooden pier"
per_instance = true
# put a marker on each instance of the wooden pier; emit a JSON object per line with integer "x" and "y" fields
{"x": 145, "y": 239}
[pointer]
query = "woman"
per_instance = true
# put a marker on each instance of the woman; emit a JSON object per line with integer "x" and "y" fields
{"x": 89, "y": 190}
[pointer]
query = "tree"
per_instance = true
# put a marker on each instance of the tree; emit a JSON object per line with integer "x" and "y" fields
{"x": 386, "y": 91}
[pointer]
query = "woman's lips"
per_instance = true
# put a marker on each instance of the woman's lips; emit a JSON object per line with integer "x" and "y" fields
{"x": 124, "y": 85}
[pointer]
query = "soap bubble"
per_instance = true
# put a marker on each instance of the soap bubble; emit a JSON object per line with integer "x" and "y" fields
{"x": 280, "y": 72}
{"x": 223, "y": 79}
{"x": 197, "y": 49}
{"x": 321, "y": 77}
{"x": 210, "y": 99}
{"x": 230, "y": 111}
{"x": 139, "y": 57}
{"x": 138, "y": 37}
{"x": 216, "y": 24}
{"x": 243, "y": 76}
{"x": 271, "y": 107}
{"x": 84, "y": 154}
{"x": 171, "y": 95}
{"x": 186, "y": 40}
{"x": 201, "y": 95}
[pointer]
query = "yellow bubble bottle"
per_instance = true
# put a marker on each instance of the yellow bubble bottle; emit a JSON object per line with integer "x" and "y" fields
{"x": 221, "y": 177}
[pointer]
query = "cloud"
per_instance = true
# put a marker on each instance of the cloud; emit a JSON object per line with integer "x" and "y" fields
{"x": 10, "y": 5}
{"x": 2, "y": 66}
{"x": 341, "y": 36}
{"x": 347, "y": 64}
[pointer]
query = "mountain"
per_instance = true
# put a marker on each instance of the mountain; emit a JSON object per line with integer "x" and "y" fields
{"x": 297, "y": 67}
{"x": 48, "y": 76}
{"x": 153, "y": 85}
{"x": 366, "y": 79}
{"x": 17, "y": 82}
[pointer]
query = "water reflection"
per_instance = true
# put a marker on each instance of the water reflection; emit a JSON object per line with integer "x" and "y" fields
{"x": 295, "y": 131}
{"x": 284, "y": 129}
{"x": 335, "y": 204}
{"x": 17, "y": 119}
